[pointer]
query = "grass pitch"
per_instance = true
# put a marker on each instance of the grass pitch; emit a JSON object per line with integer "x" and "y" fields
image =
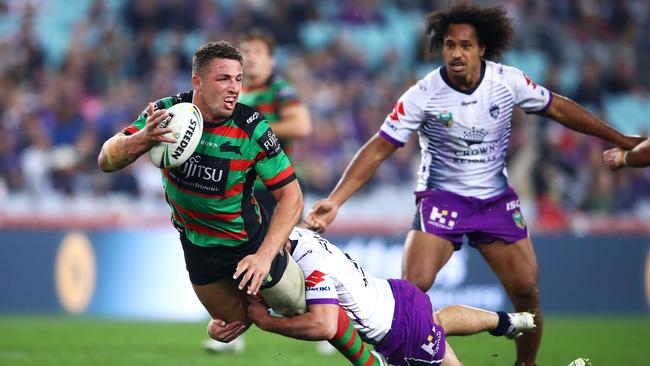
{"x": 66, "y": 341}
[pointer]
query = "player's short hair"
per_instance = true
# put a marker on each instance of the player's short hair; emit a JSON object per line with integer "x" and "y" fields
{"x": 493, "y": 27}
{"x": 262, "y": 36}
{"x": 211, "y": 50}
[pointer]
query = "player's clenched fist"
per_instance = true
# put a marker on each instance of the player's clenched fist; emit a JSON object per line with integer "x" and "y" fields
{"x": 321, "y": 214}
{"x": 614, "y": 158}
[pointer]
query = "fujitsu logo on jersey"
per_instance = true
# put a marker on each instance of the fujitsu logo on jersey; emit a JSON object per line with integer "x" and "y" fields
{"x": 270, "y": 143}
{"x": 204, "y": 174}
{"x": 193, "y": 169}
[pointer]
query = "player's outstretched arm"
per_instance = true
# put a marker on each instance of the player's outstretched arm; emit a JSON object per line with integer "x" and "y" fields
{"x": 360, "y": 169}
{"x": 573, "y": 116}
{"x": 120, "y": 150}
{"x": 256, "y": 266}
{"x": 318, "y": 323}
{"x": 638, "y": 157}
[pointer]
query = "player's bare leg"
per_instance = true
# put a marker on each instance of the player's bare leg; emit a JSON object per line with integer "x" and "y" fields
{"x": 424, "y": 255}
{"x": 450, "y": 358}
{"x": 225, "y": 302}
{"x": 466, "y": 320}
{"x": 516, "y": 266}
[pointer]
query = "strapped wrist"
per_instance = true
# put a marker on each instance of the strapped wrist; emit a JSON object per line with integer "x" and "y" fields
{"x": 625, "y": 157}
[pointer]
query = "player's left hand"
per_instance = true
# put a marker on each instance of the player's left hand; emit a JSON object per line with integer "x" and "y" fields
{"x": 224, "y": 332}
{"x": 614, "y": 158}
{"x": 254, "y": 268}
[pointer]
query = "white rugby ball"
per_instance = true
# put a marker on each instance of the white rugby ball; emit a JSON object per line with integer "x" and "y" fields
{"x": 186, "y": 123}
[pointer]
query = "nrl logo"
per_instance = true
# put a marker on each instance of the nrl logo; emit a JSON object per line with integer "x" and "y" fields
{"x": 519, "y": 220}
{"x": 474, "y": 136}
{"x": 446, "y": 118}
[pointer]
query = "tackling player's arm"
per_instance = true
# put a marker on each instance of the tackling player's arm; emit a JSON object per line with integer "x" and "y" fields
{"x": 294, "y": 122}
{"x": 318, "y": 323}
{"x": 121, "y": 150}
{"x": 638, "y": 157}
{"x": 573, "y": 116}
{"x": 360, "y": 169}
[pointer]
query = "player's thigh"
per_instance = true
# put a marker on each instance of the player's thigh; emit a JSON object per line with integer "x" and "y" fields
{"x": 424, "y": 256}
{"x": 514, "y": 264}
{"x": 223, "y": 300}
{"x": 450, "y": 358}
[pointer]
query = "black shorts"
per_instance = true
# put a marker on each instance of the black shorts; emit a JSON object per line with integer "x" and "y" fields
{"x": 207, "y": 265}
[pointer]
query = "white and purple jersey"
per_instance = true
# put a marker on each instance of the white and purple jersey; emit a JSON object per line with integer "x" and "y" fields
{"x": 464, "y": 134}
{"x": 332, "y": 277}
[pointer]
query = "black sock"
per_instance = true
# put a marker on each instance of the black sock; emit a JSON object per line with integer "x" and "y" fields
{"x": 504, "y": 324}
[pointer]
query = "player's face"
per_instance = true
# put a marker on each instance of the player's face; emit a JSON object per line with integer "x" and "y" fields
{"x": 462, "y": 53}
{"x": 258, "y": 61}
{"x": 217, "y": 88}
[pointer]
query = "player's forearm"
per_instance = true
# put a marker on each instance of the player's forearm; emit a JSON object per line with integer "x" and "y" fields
{"x": 639, "y": 156}
{"x": 285, "y": 217}
{"x": 361, "y": 168}
{"x": 308, "y": 326}
{"x": 119, "y": 151}
{"x": 573, "y": 116}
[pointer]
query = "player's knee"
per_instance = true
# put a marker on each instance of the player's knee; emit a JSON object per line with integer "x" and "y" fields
{"x": 440, "y": 315}
{"x": 525, "y": 295}
{"x": 287, "y": 296}
{"x": 421, "y": 280}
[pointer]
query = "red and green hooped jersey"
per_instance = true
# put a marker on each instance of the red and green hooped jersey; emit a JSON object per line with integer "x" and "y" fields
{"x": 211, "y": 194}
{"x": 269, "y": 98}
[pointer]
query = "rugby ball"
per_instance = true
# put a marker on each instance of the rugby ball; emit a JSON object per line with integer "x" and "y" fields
{"x": 186, "y": 123}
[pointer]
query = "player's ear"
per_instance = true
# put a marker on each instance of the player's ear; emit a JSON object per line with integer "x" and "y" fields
{"x": 196, "y": 82}
{"x": 482, "y": 50}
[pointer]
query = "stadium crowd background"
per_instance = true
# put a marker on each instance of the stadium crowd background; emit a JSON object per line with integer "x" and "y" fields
{"x": 73, "y": 73}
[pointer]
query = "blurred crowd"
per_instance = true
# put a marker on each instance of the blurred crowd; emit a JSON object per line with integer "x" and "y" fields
{"x": 73, "y": 73}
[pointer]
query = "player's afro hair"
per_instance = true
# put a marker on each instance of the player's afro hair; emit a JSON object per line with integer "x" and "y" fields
{"x": 493, "y": 27}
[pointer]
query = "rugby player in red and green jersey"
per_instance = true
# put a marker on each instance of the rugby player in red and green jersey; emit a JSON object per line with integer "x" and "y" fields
{"x": 229, "y": 244}
{"x": 264, "y": 90}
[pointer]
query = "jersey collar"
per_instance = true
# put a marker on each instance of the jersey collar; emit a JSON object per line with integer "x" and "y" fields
{"x": 445, "y": 78}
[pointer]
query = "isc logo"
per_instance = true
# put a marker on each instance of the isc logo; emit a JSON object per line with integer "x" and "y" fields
{"x": 512, "y": 205}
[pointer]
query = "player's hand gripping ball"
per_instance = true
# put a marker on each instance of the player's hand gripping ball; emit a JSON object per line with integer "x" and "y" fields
{"x": 186, "y": 123}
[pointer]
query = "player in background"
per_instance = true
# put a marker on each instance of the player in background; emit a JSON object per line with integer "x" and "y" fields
{"x": 231, "y": 248}
{"x": 617, "y": 158}
{"x": 393, "y": 315}
{"x": 265, "y": 90}
{"x": 462, "y": 113}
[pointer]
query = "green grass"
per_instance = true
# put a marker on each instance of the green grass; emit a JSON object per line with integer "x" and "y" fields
{"x": 49, "y": 341}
